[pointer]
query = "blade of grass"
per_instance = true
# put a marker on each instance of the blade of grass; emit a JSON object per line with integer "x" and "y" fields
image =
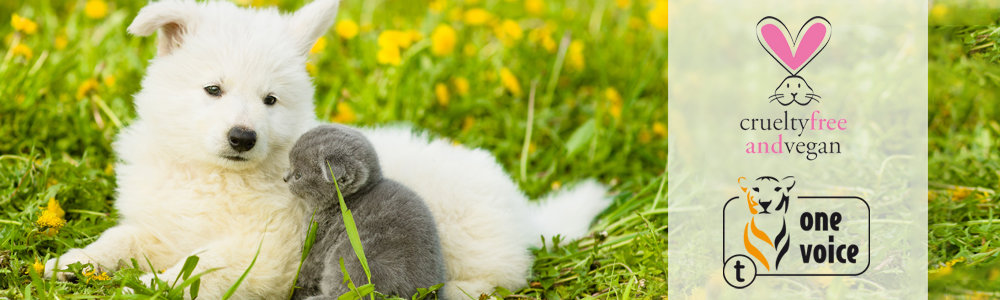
{"x": 232, "y": 289}
{"x": 310, "y": 240}
{"x": 352, "y": 229}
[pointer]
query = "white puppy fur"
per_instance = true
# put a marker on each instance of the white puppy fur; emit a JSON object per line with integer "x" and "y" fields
{"x": 183, "y": 190}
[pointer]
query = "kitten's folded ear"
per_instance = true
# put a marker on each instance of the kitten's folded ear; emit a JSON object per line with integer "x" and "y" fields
{"x": 311, "y": 21}
{"x": 173, "y": 19}
{"x": 331, "y": 169}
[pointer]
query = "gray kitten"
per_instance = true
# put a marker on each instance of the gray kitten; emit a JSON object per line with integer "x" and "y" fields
{"x": 397, "y": 229}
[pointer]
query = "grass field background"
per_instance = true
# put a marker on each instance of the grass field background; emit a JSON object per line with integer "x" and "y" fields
{"x": 598, "y": 69}
{"x": 964, "y": 167}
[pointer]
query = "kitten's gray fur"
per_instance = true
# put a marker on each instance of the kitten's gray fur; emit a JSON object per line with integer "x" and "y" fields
{"x": 397, "y": 229}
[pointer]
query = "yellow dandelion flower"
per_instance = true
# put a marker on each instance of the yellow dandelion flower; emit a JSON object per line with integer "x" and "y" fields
{"x": 91, "y": 274}
{"x": 23, "y": 50}
{"x": 508, "y": 32}
{"x": 394, "y": 38}
{"x": 345, "y": 114}
{"x": 939, "y": 11}
{"x": 467, "y": 123}
{"x": 543, "y": 36}
{"x": 942, "y": 271}
{"x": 613, "y": 95}
{"x": 96, "y": 9}
{"x": 616, "y": 110}
{"x": 110, "y": 169}
{"x": 443, "y": 40}
{"x": 574, "y": 56}
{"x": 556, "y": 185}
{"x": 415, "y": 36}
{"x": 54, "y": 207}
{"x": 110, "y": 80}
{"x": 50, "y": 222}
{"x": 510, "y": 82}
{"x": 660, "y": 129}
{"x": 469, "y": 49}
{"x": 319, "y": 45}
{"x": 658, "y": 15}
{"x": 23, "y": 24}
{"x": 960, "y": 193}
{"x": 461, "y": 85}
{"x": 477, "y": 16}
{"x": 347, "y": 29}
{"x": 616, "y": 101}
{"x": 549, "y": 44}
{"x": 437, "y": 5}
{"x": 86, "y": 87}
{"x": 534, "y": 7}
{"x": 61, "y": 42}
{"x": 311, "y": 68}
{"x": 388, "y": 56}
{"x": 623, "y": 3}
{"x": 52, "y": 181}
{"x": 39, "y": 267}
{"x": 441, "y": 92}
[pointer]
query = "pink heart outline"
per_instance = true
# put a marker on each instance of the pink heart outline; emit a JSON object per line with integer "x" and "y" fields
{"x": 806, "y": 46}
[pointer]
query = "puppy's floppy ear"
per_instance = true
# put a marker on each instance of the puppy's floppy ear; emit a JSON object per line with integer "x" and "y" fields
{"x": 311, "y": 21}
{"x": 172, "y": 18}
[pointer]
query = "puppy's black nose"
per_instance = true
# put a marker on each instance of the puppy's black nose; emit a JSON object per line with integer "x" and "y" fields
{"x": 242, "y": 139}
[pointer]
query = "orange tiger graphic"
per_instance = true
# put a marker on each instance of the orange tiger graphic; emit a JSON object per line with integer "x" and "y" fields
{"x": 760, "y": 195}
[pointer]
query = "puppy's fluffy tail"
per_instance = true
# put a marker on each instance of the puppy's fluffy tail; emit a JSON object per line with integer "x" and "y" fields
{"x": 568, "y": 213}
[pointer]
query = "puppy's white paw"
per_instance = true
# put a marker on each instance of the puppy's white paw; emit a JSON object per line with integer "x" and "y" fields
{"x": 71, "y": 256}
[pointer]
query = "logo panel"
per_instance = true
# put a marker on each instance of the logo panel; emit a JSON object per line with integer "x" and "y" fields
{"x": 788, "y": 235}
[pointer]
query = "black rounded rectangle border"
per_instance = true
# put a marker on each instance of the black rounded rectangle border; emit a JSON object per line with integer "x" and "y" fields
{"x": 868, "y": 207}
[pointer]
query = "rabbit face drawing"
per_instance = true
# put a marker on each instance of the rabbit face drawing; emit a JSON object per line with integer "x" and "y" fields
{"x": 794, "y": 89}
{"x": 793, "y": 54}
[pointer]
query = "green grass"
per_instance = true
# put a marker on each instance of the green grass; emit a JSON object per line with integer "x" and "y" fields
{"x": 57, "y": 145}
{"x": 964, "y": 165}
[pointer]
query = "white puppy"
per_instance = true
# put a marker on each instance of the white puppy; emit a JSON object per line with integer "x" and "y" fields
{"x": 200, "y": 173}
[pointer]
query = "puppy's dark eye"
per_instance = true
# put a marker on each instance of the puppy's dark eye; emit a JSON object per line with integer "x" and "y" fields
{"x": 788, "y": 85}
{"x": 800, "y": 85}
{"x": 777, "y": 189}
{"x": 298, "y": 175}
{"x": 213, "y": 90}
{"x": 270, "y": 100}
{"x": 756, "y": 190}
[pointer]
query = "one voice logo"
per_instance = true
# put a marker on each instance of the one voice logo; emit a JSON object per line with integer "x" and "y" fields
{"x": 794, "y": 55}
{"x": 767, "y": 231}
